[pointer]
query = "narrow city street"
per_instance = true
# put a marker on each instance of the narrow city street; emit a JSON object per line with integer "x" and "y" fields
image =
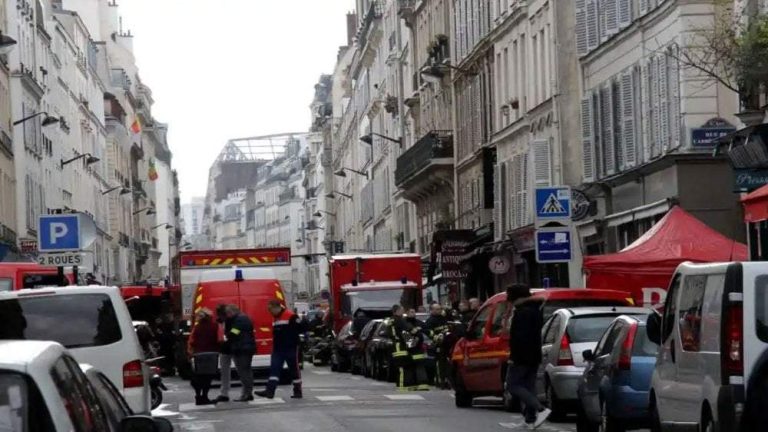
{"x": 342, "y": 402}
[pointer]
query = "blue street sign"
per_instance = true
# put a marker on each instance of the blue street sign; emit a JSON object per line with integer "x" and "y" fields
{"x": 553, "y": 203}
{"x": 58, "y": 233}
{"x": 553, "y": 246}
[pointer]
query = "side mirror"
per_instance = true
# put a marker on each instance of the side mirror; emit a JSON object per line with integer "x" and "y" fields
{"x": 145, "y": 424}
{"x": 588, "y": 355}
{"x": 653, "y": 327}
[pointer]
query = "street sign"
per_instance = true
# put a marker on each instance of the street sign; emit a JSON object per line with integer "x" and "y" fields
{"x": 553, "y": 246}
{"x": 66, "y": 259}
{"x": 553, "y": 204}
{"x": 499, "y": 264}
{"x": 65, "y": 232}
{"x": 28, "y": 246}
{"x": 58, "y": 233}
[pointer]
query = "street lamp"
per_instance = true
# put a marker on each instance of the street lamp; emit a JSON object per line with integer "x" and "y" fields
{"x": 341, "y": 172}
{"x": 319, "y": 213}
{"x": 332, "y": 195}
{"x": 6, "y": 44}
{"x": 123, "y": 190}
{"x": 437, "y": 72}
{"x": 368, "y": 139}
{"x": 150, "y": 211}
{"x": 47, "y": 121}
{"x": 89, "y": 159}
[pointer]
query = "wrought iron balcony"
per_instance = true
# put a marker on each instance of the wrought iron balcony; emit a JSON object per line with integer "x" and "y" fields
{"x": 433, "y": 152}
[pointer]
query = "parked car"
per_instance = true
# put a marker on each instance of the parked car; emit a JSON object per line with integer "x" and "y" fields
{"x": 567, "y": 334}
{"x": 479, "y": 359}
{"x": 360, "y": 361}
{"x": 613, "y": 391}
{"x": 379, "y": 351}
{"x": 343, "y": 348}
{"x": 712, "y": 332}
{"x": 42, "y": 385}
{"x": 92, "y": 323}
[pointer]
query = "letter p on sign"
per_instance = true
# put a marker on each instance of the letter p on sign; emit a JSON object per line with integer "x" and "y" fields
{"x": 58, "y": 231}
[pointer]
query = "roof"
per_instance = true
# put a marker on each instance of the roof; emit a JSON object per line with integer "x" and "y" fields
{"x": 91, "y": 289}
{"x": 371, "y": 256}
{"x": 568, "y": 293}
{"x": 19, "y": 355}
{"x": 676, "y": 238}
{"x": 378, "y": 285}
{"x": 582, "y": 311}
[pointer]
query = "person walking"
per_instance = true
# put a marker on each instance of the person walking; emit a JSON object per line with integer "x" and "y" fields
{"x": 242, "y": 346}
{"x": 437, "y": 327}
{"x": 204, "y": 350}
{"x": 225, "y": 353}
{"x": 525, "y": 353}
{"x": 285, "y": 344}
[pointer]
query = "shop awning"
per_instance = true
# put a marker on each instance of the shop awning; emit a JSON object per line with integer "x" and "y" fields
{"x": 756, "y": 205}
{"x": 650, "y": 261}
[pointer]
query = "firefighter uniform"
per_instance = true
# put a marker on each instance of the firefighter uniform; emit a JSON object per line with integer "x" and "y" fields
{"x": 437, "y": 327}
{"x": 409, "y": 360}
{"x": 286, "y": 329}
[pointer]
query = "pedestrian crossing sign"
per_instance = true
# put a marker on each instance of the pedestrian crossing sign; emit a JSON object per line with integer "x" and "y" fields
{"x": 553, "y": 204}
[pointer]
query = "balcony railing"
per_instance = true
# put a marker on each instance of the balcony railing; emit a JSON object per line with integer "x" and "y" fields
{"x": 434, "y": 145}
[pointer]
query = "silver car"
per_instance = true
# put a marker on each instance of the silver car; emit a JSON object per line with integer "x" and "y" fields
{"x": 566, "y": 335}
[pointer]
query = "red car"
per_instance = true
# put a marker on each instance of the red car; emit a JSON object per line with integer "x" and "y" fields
{"x": 479, "y": 359}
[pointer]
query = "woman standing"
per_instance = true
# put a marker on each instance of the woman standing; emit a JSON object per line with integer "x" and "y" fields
{"x": 204, "y": 349}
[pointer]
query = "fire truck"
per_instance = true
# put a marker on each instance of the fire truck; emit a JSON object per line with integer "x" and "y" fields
{"x": 373, "y": 283}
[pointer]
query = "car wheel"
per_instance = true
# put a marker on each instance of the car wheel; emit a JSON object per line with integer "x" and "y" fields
{"x": 582, "y": 422}
{"x": 655, "y": 418}
{"x": 554, "y": 403}
{"x": 707, "y": 424}
{"x": 462, "y": 397}
{"x": 607, "y": 423}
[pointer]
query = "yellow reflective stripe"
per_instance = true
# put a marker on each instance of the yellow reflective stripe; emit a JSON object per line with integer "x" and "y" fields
{"x": 216, "y": 262}
{"x": 402, "y": 378}
{"x": 197, "y": 309}
{"x": 279, "y": 295}
{"x": 242, "y": 261}
{"x": 229, "y": 261}
{"x": 419, "y": 357}
{"x": 199, "y": 299}
{"x": 631, "y": 301}
{"x": 235, "y": 331}
{"x": 399, "y": 353}
{"x": 489, "y": 354}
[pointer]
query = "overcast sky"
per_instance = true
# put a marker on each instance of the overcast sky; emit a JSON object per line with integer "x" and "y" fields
{"x": 222, "y": 69}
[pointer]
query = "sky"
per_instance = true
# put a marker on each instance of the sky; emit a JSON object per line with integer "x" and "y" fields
{"x": 222, "y": 69}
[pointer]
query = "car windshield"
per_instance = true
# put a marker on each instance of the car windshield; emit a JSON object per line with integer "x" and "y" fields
{"x": 550, "y": 306}
{"x": 75, "y": 321}
{"x": 588, "y": 328}
{"x": 13, "y": 403}
{"x": 378, "y": 300}
{"x": 643, "y": 346}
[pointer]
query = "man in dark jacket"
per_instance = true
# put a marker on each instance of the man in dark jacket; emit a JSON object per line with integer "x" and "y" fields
{"x": 436, "y": 326}
{"x": 409, "y": 360}
{"x": 242, "y": 345}
{"x": 525, "y": 353}
{"x": 286, "y": 329}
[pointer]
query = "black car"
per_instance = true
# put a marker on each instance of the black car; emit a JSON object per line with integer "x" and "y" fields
{"x": 343, "y": 349}
{"x": 360, "y": 361}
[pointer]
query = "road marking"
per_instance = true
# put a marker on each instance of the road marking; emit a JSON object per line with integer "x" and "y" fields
{"x": 163, "y": 411}
{"x": 334, "y": 398}
{"x": 275, "y": 401}
{"x": 186, "y": 407}
{"x": 404, "y": 397}
{"x": 545, "y": 427}
{"x": 198, "y": 427}
{"x": 321, "y": 372}
{"x": 354, "y": 378}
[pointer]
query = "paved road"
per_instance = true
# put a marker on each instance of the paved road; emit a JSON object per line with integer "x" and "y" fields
{"x": 341, "y": 402}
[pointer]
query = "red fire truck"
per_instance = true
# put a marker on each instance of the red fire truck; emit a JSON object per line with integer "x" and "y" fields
{"x": 373, "y": 284}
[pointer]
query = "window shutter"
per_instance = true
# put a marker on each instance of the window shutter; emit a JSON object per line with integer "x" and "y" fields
{"x": 606, "y": 119}
{"x": 593, "y": 25}
{"x": 674, "y": 89}
{"x": 542, "y": 163}
{"x": 643, "y": 7}
{"x": 611, "y": 17}
{"x": 653, "y": 78}
{"x": 581, "y": 27}
{"x": 629, "y": 144}
{"x": 524, "y": 205}
{"x": 663, "y": 103}
{"x": 625, "y": 13}
{"x": 497, "y": 218}
{"x": 587, "y": 139}
{"x": 514, "y": 188}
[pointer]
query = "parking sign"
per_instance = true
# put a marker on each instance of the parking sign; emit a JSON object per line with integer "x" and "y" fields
{"x": 58, "y": 233}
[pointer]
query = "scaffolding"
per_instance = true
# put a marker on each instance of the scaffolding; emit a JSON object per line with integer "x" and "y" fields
{"x": 258, "y": 148}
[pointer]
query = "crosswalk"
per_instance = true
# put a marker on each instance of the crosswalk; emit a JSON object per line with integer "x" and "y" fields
{"x": 190, "y": 407}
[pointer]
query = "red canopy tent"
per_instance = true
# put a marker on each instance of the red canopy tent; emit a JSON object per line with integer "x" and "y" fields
{"x": 756, "y": 205}
{"x": 645, "y": 267}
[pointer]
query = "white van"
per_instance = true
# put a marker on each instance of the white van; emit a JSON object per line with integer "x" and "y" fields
{"x": 712, "y": 331}
{"x": 93, "y": 323}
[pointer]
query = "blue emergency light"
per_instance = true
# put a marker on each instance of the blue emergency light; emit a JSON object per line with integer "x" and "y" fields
{"x": 239, "y": 275}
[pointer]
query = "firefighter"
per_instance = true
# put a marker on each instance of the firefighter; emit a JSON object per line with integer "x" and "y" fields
{"x": 408, "y": 358}
{"x": 437, "y": 327}
{"x": 286, "y": 329}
